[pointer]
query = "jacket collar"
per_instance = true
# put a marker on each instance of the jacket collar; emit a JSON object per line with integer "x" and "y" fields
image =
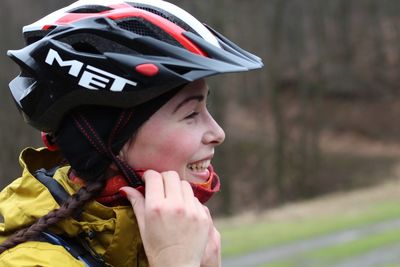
{"x": 26, "y": 199}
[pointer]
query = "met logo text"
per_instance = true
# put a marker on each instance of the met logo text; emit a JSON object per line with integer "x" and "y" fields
{"x": 91, "y": 78}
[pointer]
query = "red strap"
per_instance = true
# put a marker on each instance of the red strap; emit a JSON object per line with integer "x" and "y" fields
{"x": 112, "y": 197}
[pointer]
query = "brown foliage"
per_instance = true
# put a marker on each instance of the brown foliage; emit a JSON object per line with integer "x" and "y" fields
{"x": 331, "y": 69}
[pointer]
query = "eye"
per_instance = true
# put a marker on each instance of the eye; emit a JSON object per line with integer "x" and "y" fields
{"x": 192, "y": 115}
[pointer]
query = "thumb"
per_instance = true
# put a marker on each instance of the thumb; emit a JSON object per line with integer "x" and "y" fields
{"x": 137, "y": 202}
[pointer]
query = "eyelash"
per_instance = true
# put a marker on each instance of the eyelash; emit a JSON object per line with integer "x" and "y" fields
{"x": 192, "y": 115}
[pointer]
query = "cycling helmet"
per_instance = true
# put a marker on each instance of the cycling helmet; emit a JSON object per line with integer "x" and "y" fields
{"x": 115, "y": 53}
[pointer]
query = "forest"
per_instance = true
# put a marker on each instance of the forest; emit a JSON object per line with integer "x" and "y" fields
{"x": 321, "y": 116}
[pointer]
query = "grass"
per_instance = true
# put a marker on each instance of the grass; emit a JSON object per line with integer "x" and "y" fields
{"x": 288, "y": 263}
{"x": 334, "y": 254}
{"x": 357, "y": 247}
{"x": 241, "y": 238}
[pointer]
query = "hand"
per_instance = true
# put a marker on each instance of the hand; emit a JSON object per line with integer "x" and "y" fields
{"x": 173, "y": 224}
{"x": 212, "y": 254}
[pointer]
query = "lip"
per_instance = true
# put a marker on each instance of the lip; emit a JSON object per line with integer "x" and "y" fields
{"x": 200, "y": 177}
{"x": 200, "y": 160}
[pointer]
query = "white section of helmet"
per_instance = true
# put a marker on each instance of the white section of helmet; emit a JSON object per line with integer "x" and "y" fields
{"x": 56, "y": 15}
{"x": 186, "y": 17}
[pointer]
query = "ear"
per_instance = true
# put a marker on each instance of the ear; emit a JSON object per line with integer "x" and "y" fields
{"x": 124, "y": 151}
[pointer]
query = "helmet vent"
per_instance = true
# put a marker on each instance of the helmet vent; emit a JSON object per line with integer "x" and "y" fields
{"x": 178, "y": 69}
{"x": 85, "y": 48}
{"x": 145, "y": 28}
{"x": 90, "y": 9}
{"x": 165, "y": 15}
{"x": 34, "y": 36}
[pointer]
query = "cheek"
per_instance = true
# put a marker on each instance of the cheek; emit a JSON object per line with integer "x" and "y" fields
{"x": 169, "y": 149}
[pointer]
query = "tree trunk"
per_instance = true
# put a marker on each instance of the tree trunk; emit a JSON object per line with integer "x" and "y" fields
{"x": 272, "y": 82}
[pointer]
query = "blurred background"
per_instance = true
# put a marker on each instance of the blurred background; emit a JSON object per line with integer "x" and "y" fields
{"x": 320, "y": 119}
{"x": 321, "y": 116}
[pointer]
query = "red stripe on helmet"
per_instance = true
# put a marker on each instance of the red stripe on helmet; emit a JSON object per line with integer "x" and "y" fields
{"x": 172, "y": 29}
{"x": 47, "y": 27}
{"x": 73, "y": 17}
{"x": 126, "y": 11}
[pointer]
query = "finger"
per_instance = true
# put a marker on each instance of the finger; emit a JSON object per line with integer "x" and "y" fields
{"x": 172, "y": 185}
{"x": 215, "y": 235}
{"x": 137, "y": 201}
{"x": 207, "y": 211}
{"x": 208, "y": 214}
{"x": 154, "y": 186}
{"x": 217, "y": 242}
{"x": 188, "y": 195}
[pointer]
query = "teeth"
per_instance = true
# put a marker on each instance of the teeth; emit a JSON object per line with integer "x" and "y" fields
{"x": 199, "y": 166}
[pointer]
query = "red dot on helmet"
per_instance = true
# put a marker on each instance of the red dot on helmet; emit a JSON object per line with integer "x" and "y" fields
{"x": 147, "y": 69}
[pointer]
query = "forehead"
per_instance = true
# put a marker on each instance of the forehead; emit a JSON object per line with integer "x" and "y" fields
{"x": 198, "y": 87}
{"x": 164, "y": 114}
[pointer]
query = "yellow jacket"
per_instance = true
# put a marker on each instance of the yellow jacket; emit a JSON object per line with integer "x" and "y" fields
{"x": 25, "y": 200}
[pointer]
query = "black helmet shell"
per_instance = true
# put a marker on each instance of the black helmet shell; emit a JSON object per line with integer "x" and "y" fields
{"x": 115, "y": 53}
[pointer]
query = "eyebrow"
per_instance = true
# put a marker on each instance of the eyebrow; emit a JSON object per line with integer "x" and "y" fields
{"x": 199, "y": 98}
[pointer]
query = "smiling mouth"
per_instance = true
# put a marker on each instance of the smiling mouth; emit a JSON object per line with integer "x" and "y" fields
{"x": 199, "y": 166}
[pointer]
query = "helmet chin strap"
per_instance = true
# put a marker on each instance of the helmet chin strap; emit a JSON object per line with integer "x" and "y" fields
{"x": 84, "y": 126}
{"x": 132, "y": 177}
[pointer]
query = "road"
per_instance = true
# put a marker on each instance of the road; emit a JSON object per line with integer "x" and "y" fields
{"x": 382, "y": 256}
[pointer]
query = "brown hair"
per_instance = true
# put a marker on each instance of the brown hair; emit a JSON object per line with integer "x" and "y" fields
{"x": 72, "y": 205}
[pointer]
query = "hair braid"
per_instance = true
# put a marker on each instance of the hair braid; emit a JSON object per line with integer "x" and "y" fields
{"x": 73, "y": 204}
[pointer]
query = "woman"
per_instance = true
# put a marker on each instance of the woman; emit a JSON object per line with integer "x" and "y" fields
{"x": 118, "y": 89}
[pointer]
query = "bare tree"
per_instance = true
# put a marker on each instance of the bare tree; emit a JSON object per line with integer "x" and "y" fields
{"x": 272, "y": 82}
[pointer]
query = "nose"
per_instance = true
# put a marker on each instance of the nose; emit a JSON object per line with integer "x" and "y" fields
{"x": 214, "y": 135}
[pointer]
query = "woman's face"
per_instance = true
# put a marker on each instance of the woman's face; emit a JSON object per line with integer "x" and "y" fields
{"x": 180, "y": 136}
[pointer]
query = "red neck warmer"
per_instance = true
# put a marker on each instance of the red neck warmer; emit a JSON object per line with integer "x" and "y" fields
{"x": 111, "y": 196}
